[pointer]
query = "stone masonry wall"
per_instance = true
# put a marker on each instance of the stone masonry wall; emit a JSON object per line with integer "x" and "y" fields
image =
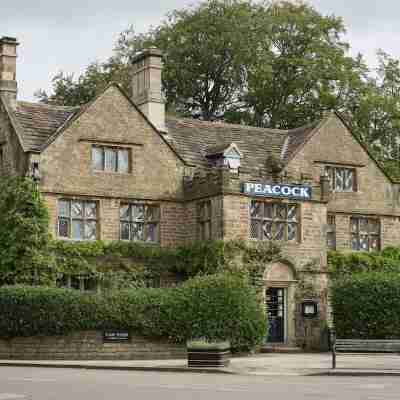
{"x": 307, "y": 258}
{"x": 156, "y": 172}
{"x": 172, "y": 225}
{"x": 14, "y": 160}
{"x": 87, "y": 345}
{"x": 310, "y": 249}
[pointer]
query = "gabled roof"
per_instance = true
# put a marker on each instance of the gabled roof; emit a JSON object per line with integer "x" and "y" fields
{"x": 194, "y": 139}
{"x": 37, "y": 125}
{"x": 38, "y": 122}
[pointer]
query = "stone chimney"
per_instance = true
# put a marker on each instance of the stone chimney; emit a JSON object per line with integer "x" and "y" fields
{"x": 8, "y": 67}
{"x": 146, "y": 86}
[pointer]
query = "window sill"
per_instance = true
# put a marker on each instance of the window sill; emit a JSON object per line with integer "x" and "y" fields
{"x": 140, "y": 242}
{"x": 76, "y": 240}
{"x": 280, "y": 242}
{"x": 111, "y": 173}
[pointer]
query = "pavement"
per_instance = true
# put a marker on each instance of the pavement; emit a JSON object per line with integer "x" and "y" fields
{"x": 272, "y": 364}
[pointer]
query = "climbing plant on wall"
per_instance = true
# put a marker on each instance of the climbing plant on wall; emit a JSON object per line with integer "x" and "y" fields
{"x": 25, "y": 255}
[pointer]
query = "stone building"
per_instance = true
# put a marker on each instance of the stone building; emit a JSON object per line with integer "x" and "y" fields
{"x": 120, "y": 169}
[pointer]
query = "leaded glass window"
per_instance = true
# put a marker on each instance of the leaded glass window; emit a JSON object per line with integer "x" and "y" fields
{"x": 331, "y": 232}
{"x": 274, "y": 221}
{"x": 341, "y": 179}
{"x": 204, "y": 220}
{"x": 139, "y": 222}
{"x": 365, "y": 234}
{"x": 110, "y": 159}
{"x": 77, "y": 219}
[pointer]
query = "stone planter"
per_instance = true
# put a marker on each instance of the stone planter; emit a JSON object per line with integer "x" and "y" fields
{"x": 202, "y": 354}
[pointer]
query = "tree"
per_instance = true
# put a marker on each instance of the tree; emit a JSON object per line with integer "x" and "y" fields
{"x": 207, "y": 50}
{"x": 68, "y": 92}
{"x": 24, "y": 236}
{"x": 374, "y": 114}
{"x": 302, "y": 70}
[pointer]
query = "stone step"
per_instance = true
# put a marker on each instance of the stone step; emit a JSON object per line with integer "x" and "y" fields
{"x": 280, "y": 348}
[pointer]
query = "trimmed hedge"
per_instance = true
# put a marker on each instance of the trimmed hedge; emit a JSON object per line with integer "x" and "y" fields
{"x": 215, "y": 307}
{"x": 366, "y": 306}
{"x": 341, "y": 264}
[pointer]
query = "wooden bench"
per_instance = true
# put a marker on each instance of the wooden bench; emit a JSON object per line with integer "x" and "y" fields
{"x": 360, "y": 346}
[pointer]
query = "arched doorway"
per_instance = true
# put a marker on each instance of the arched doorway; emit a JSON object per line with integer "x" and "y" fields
{"x": 280, "y": 281}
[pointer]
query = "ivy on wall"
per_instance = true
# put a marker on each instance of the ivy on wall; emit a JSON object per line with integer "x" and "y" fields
{"x": 126, "y": 264}
{"x": 29, "y": 256}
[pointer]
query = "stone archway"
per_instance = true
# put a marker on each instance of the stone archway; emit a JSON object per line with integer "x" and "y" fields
{"x": 280, "y": 283}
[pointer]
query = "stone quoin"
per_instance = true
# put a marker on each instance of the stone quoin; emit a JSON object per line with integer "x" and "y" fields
{"x": 121, "y": 168}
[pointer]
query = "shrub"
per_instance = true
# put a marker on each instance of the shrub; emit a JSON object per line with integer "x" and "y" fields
{"x": 218, "y": 307}
{"x": 24, "y": 235}
{"x": 365, "y": 305}
{"x": 341, "y": 264}
{"x": 214, "y": 307}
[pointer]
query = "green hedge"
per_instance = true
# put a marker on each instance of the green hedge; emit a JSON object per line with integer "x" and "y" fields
{"x": 341, "y": 264}
{"x": 366, "y": 305}
{"x": 214, "y": 307}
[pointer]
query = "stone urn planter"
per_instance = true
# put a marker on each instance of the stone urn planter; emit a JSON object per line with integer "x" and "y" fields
{"x": 205, "y": 354}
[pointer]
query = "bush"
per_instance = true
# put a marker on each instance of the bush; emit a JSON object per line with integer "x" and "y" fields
{"x": 341, "y": 264}
{"x": 24, "y": 235}
{"x": 215, "y": 307}
{"x": 366, "y": 305}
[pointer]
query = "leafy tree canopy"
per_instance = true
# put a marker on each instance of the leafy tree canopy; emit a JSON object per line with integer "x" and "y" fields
{"x": 276, "y": 64}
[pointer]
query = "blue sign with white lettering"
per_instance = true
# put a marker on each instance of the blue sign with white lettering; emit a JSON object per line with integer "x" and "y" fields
{"x": 301, "y": 192}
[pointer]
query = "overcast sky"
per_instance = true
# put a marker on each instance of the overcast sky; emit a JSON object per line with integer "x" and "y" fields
{"x": 57, "y": 35}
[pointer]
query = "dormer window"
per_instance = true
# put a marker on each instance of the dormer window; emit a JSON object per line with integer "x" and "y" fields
{"x": 226, "y": 155}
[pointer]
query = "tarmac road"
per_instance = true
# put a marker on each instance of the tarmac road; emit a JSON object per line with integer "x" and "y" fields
{"x": 18, "y": 383}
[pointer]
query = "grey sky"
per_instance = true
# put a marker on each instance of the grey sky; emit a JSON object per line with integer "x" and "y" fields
{"x": 58, "y": 35}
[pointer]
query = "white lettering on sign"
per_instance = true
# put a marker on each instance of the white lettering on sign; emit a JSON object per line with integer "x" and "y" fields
{"x": 267, "y": 190}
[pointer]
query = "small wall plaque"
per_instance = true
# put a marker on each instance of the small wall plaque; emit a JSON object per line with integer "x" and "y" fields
{"x": 116, "y": 336}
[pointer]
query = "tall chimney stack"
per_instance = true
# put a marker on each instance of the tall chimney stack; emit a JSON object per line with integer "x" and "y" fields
{"x": 146, "y": 86}
{"x": 8, "y": 69}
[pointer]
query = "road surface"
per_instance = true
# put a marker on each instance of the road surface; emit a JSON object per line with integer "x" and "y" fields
{"x": 17, "y": 383}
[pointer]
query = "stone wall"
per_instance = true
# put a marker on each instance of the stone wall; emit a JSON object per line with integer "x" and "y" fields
{"x": 87, "y": 346}
{"x": 155, "y": 172}
{"x": 172, "y": 218}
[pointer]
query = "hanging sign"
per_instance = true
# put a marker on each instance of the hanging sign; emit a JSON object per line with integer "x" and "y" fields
{"x": 302, "y": 192}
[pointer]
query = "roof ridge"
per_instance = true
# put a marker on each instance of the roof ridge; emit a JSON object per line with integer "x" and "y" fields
{"x": 227, "y": 124}
{"x": 49, "y": 106}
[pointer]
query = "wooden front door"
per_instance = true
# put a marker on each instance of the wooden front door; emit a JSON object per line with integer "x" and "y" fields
{"x": 275, "y": 302}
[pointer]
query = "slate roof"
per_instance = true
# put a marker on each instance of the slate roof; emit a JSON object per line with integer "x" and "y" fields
{"x": 191, "y": 139}
{"x": 38, "y": 122}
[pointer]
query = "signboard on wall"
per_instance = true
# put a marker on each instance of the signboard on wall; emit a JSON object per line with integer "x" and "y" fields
{"x": 116, "y": 336}
{"x": 300, "y": 192}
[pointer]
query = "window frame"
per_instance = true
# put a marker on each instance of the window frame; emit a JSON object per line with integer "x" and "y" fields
{"x": 331, "y": 230}
{"x": 71, "y": 218}
{"x": 83, "y": 283}
{"x": 145, "y": 222}
{"x": 204, "y": 219}
{"x": 116, "y": 150}
{"x": 358, "y": 233}
{"x": 333, "y": 178}
{"x": 261, "y": 219}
